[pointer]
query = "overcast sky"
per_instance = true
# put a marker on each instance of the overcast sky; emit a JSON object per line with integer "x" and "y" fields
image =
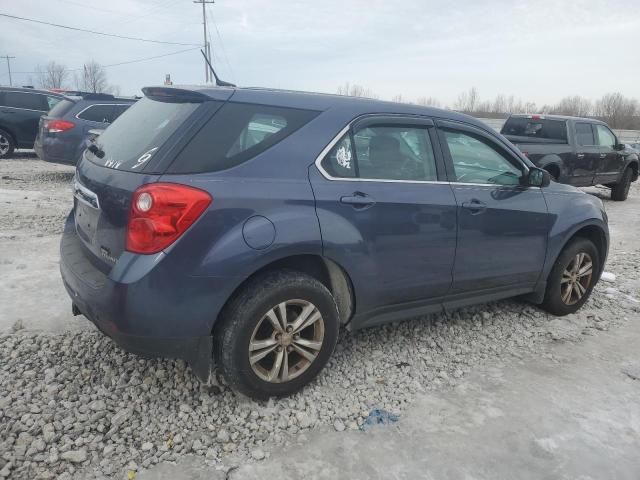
{"x": 538, "y": 50}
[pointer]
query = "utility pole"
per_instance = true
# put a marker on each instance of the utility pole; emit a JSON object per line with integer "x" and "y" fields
{"x": 8, "y": 58}
{"x": 207, "y": 50}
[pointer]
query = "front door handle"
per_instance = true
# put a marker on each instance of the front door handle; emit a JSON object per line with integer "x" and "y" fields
{"x": 358, "y": 200}
{"x": 476, "y": 207}
{"x": 603, "y": 155}
{"x": 580, "y": 155}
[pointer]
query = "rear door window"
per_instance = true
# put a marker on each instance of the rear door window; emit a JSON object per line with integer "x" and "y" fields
{"x": 584, "y": 134}
{"x": 131, "y": 143}
{"x": 237, "y": 133}
{"x": 383, "y": 153}
{"x": 541, "y": 128}
{"x": 26, "y": 100}
{"x": 97, "y": 113}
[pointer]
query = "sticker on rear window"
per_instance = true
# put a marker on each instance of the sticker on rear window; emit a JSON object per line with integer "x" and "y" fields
{"x": 144, "y": 158}
{"x": 343, "y": 156}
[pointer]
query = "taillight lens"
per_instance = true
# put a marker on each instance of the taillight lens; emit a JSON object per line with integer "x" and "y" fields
{"x": 160, "y": 213}
{"x": 56, "y": 126}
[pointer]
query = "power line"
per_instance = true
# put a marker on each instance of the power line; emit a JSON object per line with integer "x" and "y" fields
{"x": 94, "y": 32}
{"x": 224, "y": 50}
{"x": 121, "y": 63}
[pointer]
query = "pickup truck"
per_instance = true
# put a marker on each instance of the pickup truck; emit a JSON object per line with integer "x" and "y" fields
{"x": 576, "y": 151}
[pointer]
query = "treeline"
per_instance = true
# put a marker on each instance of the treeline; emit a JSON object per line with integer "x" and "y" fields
{"x": 92, "y": 77}
{"x": 618, "y": 111}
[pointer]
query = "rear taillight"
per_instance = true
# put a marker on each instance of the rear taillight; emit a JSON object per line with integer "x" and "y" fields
{"x": 56, "y": 126}
{"x": 160, "y": 213}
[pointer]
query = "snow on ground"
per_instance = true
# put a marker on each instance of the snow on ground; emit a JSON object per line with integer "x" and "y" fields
{"x": 73, "y": 405}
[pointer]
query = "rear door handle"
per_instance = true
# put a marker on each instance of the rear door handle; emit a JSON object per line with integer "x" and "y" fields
{"x": 358, "y": 200}
{"x": 580, "y": 155}
{"x": 475, "y": 206}
{"x": 603, "y": 155}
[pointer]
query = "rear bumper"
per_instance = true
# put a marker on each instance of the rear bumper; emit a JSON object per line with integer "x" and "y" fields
{"x": 140, "y": 319}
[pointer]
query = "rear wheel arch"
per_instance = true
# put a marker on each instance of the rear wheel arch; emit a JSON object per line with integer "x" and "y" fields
{"x": 326, "y": 271}
{"x": 10, "y": 132}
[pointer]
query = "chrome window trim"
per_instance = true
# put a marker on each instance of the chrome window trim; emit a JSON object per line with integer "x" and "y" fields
{"x": 21, "y": 108}
{"x": 338, "y": 137}
{"x": 77, "y": 115}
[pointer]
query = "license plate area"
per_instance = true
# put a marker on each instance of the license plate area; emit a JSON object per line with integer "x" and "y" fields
{"x": 87, "y": 212}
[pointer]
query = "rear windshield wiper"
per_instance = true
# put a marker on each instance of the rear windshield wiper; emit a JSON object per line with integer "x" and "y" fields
{"x": 95, "y": 149}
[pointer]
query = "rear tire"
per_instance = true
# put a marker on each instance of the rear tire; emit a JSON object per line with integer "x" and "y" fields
{"x": 620, "y": 190}
{"x": 7, "y": 145}
{"x": 570, "y": 282}
{"x": 252, "y": 324}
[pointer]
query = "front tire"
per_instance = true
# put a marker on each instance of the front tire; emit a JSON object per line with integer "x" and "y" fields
{"x": 572, "y": 278}
{"x": 7, "y": 145}
{"x": 620, "y": 190}
{"x": 276, "y": 335}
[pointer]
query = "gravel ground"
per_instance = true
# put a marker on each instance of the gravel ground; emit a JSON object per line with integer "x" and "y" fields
{"x": 73, "y": 405}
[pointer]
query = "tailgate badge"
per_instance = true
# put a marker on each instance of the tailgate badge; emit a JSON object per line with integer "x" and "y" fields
{"x": 106, "y": 253}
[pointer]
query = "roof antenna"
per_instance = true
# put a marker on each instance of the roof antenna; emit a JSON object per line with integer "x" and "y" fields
{"x": 219, "y": 83}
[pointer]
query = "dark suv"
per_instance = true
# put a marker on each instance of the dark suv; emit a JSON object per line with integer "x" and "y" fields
{"x": 248, "y": 225}
{"x": 20, "y": 112}
{"x": 64, "y": 131}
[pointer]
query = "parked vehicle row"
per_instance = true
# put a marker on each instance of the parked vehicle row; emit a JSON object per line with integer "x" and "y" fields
{"x": 244, "y": 227}
{"x": 63, "y": 131}
{"x": 55, "y": 125}
{"x": 577, "y": 151}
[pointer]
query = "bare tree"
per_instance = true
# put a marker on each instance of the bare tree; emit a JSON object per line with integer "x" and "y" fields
{"x": 467, "y": 101}
{"x": 399, "y": 99}
{"x": 93, "y": 78}
{"x": 575, "y": 106}
{"x": 429, "y": 102}
{"x": 53, "y": 75}
{"x": 355, "y": 91}
{"x": 617, "y": 110}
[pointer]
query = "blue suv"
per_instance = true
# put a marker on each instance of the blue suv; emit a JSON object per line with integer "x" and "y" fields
{"x": 241, "y": 228}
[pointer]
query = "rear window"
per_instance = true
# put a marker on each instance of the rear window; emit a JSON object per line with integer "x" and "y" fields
{"x": 61, "y": 108}
{"x": 237, "y": 133}
{"x": 131, "y": 141}
{"x": 554, "y": 130}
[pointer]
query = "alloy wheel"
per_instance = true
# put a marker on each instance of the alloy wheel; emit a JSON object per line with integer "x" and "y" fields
{"x": 576, "y": 279}
{"x": 4, "y": 145}
{"x": 286, "y": 341}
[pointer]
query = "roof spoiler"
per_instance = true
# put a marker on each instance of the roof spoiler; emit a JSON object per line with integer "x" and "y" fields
{"x": 173, "y": 94}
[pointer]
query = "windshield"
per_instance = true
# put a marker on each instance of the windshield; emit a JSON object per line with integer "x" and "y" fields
{"x": 135, "y": 137}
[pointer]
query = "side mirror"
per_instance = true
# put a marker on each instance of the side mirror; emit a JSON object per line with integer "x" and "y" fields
{"x": 619, "y": 146}
{"x": 539, "y": 178}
